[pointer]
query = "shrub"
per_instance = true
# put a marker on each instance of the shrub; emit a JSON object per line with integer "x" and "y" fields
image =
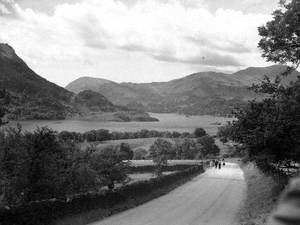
{"x": 209, "y": 148}
{"x": 125, "y": 152}
{"x": 199, "y": 132}
{"x": 160, "y": 151}
{"x": 140, "y": 153}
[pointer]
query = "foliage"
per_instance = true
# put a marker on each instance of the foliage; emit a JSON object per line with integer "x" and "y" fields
{"x": 110, "y": 166}
{"x": 160, "y": 152}
{"x": 270, "y": 129}
{"x": 125, "y": 152}
{"x": 4, "y": 101}
{"x": 199, "y": 132}
{"x": 105, "y": 135}
{"x": 30, "y": 164}
{"x": 280, "y": 36}
{"x": 40, "y": 165}
{"x": 92, "y": 101}
{"x": 208, "y": 146}
{"x": 224, "y": 132}
{"x": 186, "y": 149}
{"x": 140, "y": 153}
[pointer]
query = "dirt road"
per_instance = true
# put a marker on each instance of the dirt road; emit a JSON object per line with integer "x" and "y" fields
{"x": 212, "y": 198}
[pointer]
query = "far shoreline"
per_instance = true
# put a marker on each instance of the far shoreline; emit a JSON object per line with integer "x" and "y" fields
{"x": 167, "y": 122}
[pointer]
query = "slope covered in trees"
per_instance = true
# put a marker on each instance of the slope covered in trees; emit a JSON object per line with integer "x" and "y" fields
{"x": 33, "y": 97}
{"x": 200, "y": 93}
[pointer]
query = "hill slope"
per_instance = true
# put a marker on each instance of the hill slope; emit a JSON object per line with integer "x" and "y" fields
{"x": 200, "y": 93}
{"x": 33, "y": 97}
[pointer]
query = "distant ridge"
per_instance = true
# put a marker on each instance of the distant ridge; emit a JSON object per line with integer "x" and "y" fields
{"x": 33, "y": 97}
{"x": 87, "y": 83}
{"x": 213, "y": 93}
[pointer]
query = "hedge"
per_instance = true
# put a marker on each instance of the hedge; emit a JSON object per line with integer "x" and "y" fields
{"x": 151, "y": 168}
{"x": 45, "y": 212}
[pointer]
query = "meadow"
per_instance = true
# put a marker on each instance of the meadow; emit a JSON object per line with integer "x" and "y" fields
{"x": 134, "y": 144}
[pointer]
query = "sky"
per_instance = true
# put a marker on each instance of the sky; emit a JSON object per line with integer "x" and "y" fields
{"x": 134, "y": 40}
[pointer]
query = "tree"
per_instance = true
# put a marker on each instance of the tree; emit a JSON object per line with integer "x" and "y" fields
{"x": 102, "y": 135}
{"x": 199, "y": 132}
{"x": 270, "y": 129}
{"x": 224, "y": 132}
{"x": 140, "y": 154}
{"x": 4, "y": 101}
{"x": 209, "y": 148}
{"x": 47, "y": 164}
{"x": 280, "y": 40}
{"x": 39, "y": 165}
{"x": 159, "y": 152}
{"x": 110, "y": 166}
{"x": 186, "y": 149}
{"x": 175, "y": 134}
{"x": 125, "y": 152}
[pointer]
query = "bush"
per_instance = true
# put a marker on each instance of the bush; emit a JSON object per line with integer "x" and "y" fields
{"x": 160, "y": 152}
{"x": 39, "y": 165}
{"x": 209, "y": 148}
{"x": 125, "y": 152}
{"x": 104, "y": 135}
{"x": 140, "y": 153}
{"x": 199, "y": 132}
{"x": 110, "y": 166}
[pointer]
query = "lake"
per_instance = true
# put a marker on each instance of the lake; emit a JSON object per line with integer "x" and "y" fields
{"x": 167, "y": 121}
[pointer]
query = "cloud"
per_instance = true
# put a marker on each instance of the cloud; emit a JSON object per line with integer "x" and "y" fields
{"x": 185, "y": 29}
{"x": 175, "y": 31}
{"x": 227, "y": 46}
{"x": 207, "y": 59}
{"x": 8, "y": 8}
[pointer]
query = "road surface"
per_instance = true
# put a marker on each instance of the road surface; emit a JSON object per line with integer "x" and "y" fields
{"x": 212, "y": 198}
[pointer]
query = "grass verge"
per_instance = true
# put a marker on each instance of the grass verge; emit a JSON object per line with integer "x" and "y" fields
{"x": 261, "y": 197}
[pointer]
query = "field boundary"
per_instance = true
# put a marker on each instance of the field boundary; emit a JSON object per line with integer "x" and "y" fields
{"x": 90, "y": 207}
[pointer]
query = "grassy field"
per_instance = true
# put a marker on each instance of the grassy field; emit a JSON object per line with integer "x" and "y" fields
{"x": 134, "y": 144}
{"x": 144, "y": 143}
{"x": 136, "y": 177}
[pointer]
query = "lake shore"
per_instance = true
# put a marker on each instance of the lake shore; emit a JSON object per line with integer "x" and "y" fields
{"x": 167, "y": 122}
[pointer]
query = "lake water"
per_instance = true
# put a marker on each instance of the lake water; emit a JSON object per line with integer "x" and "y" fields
{"x": 167, "y": 121}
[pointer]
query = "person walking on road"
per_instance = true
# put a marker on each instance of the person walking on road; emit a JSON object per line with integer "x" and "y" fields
{"x": 211, "y": 163}
{"x": 220, "y": 165}
{"x": 216, "y": 164}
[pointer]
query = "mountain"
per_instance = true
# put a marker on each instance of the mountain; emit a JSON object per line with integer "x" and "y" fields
{"x": 87, "y": 83}
{"x": 90, "y": 101}
{"x": 200, "y": 93}
{"x": 33, "y": 97}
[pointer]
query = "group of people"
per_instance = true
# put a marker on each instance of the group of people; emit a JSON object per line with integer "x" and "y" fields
{"x": 217, "y": 163}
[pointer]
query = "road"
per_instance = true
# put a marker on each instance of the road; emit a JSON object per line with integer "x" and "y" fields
{"x": 212, "y": 198}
